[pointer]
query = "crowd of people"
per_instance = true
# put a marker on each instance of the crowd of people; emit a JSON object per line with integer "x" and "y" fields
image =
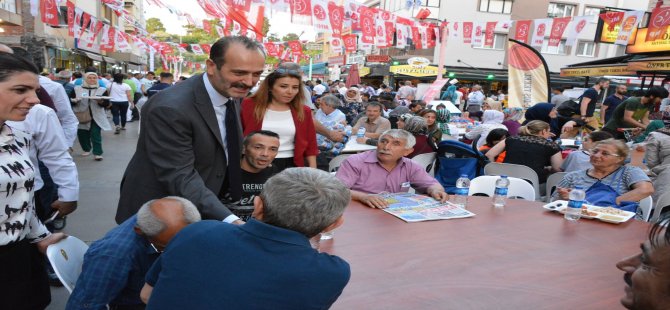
{"x": 227, "y": 186}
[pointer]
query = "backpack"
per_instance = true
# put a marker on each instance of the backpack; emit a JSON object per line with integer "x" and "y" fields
{"x": 454, "y": 159}
{"x": 568, "y": 108}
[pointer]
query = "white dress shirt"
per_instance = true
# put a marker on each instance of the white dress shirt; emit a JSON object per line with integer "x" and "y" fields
{"x": 49, "y": 142}
{"x": 219, "y": 103}
{"x": 63, "y": 106}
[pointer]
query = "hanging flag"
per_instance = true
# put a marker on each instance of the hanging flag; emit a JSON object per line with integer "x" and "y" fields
{"x": 219, "y": 31}
{"x": 182, "y": 48}
{"x": 478, "y": 33}
{"x": 455, "y": 30}
{"x": 630, "y": 21}
{"x": 367, "y": 24}
{"x": 528, "y": 76}
{"x": 658, "y": 23}
{"x": 522, "y": 30}
{"x": 558, "y": 26}
{"x": 352, "y": 15}
{"x": 70, "y": 18}
{"x": 336, "y": 18}
{"x": 320, "y": 16}
{"x": 416, "y": 37}
{"x": 206, "y": 48}
{"x": 271, "y": 49}
{"x": 575, "y": 27}
{"x": 336, "y": 45}
{"x": 197, "y": 49}
{"x": 467, "y": 32}
{"x": 489, "y": 34}
{"x": 380, "y": 33}
{"x": 241, "y": 5}
{"x": 541, "y": 27}
{"x": 206, "y": 26}
{"x": 277, "y": 6}
{"x": 295, "y": 46}
{"x": 402, "y": 33}
{"x": 121, "y": 41}
{"x": 107, "y": 38}
{"x": 505, "y": 24}
{"x": 390, "y": 30}
{"x": 612, "y": 19}
{"x": 301, "y": 12}
{"x": 349, "y": 42}
{"x": 49, "y": 12}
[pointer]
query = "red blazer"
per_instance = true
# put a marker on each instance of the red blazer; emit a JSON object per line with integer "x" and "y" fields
{"x": 305, "y": 133}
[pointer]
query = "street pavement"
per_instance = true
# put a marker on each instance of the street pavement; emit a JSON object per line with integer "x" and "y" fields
{"x": 98, "y": 193}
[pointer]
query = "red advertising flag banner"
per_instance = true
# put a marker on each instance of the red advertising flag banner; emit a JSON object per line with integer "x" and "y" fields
{"x": 70, "y": 18}
{"x": 301, "y": 12}
{"x": 296, "y": 47}
{"x": 336, "y": 17}
{"x": 522, "y": 30}
{"x": 320, "y": 16}
{"x": 349, "y": 42}
{"x": 416, "y": 37}
{"x": 489, "y": 34}
{"x": 467, "y": 32}
{"x": 271, "y": 49}
{"x": 367, "y": 23}
{"x": 612, "y": 19}
{"x": 390, "y": 29}
{"x": 557, "y": 28}
{"x": 206, "y": 48}
{"x": 49, "y": 12}
{"x": 658, "y": 23}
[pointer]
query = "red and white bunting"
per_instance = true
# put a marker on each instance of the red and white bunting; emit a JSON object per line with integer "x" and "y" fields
{"x": 206, "y": 26}
{"x": 197, "y": 49}
{"x": 390, "y": 30}
{"x": 558, "y": 26}
{"x": 352, "y": 15}
{"x": 336, "y": 45}
{"x": 630, "y": 22}
{"x": 416, "y": 37}
{"x": 336, "y": 18}
{"x": 658, "y": 23}
{"x": 320, "y": 16}
{"x": 271, "y": 49}
{"x": 522, "y": 30}
{"x": 206, "y": 48}
{"x": 423, "y": 32}
{"x": 295, "y": 46}
{"x": 301, "y": 12}
{"x": 70, "y": 18}
{"x": 542, "y": 27}
{"x": 575, "y": 27}
{"x": 121, "y": 41}
{"x": 454, "y": 30}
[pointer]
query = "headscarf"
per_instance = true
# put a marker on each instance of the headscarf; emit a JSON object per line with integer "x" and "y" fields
{"x": 513, "y": 114}
{"x": 84, "y": 84}
{"x": 493, "y": 117}
{"x": 450, "y": 94}
{"x": 355, "y": 98}
{"x": 655, "y": 125}
{"x": 398, "y": 111}
{"x": 442, "y": 121}
{"x": 493, "y": 105}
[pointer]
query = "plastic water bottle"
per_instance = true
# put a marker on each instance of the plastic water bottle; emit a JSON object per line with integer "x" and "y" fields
{"x": 361, "y": 132}
{"x": 578, "y": 140}
{"x": 462, "y": 187}
{"x": 347, "y": 131}
{"x": 574, "y": 210}
{"x": 500, "y": 194}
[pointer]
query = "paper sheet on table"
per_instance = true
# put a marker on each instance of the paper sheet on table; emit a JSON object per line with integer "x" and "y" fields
{"x": 419, "y": 208}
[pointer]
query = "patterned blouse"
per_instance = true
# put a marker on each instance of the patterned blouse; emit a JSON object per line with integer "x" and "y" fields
{"x": 18, "y": 221}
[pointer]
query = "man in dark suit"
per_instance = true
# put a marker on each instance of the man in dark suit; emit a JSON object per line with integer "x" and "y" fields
{"x": 190, "y": 137}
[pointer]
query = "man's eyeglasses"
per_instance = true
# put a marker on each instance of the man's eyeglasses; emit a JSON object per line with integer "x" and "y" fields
{"x": 603, "y": 153}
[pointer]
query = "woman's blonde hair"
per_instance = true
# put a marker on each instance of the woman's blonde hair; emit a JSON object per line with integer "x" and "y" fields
{"x": 533, "y": 128}
{"x": 621, "y": 148}
{"x": 263, "y": 95}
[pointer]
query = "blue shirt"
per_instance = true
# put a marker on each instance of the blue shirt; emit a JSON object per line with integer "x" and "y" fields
{"x": 612, "y": 102}
{"x": 113, "y": 270}
{"x": 215, "y": 265}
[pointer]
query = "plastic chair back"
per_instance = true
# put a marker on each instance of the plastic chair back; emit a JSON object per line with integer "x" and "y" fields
{"x": 552, "y": 183}
{"x": 663, "y": 202}
{"x": 335, "y": 163}
{"x": 486, "y": 184}
{"x": 66, "y": 257}
{"x": 644, "y": 209}
{"x": 426, "y": 160}
{"x": 517, "y": 171}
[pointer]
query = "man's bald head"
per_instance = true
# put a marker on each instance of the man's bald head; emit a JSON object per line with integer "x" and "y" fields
{"x": 159, "y": 220}
{"x": 6, "y": 49}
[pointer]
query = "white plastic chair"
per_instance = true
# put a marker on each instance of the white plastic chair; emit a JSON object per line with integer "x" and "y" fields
{"x": 66, "y": 257}
{"x": 335, "y": 163}
{"x": 486, "y": 184}
{"x": 663, "y": 202}
{"x": 644, "y": 209}
{"x": 552, "y": 183}
{"x": 517, "y": 171}
{"x": 426, "y": 160}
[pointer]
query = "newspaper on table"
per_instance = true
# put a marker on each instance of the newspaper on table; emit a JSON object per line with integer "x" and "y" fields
{"x": 419, "y": 208}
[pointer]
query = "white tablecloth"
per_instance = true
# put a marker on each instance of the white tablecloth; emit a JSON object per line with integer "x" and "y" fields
{"x": 354, "y": 147}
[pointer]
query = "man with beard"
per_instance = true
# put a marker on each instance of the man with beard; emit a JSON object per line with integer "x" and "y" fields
{"x": 191, "y": 137}
{"x": 611, "y": 102}
{"x": 647, "y": 274}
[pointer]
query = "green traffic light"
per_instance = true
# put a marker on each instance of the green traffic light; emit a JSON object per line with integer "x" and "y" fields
{"x": 451, "y": 74}
{"x": 490, "y": 76}
{"x": 395, "y": 63}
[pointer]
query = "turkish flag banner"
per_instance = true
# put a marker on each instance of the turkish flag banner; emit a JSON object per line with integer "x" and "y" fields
{"x": 467, "y": 32}
{"x": 658, "y": 23}
{"x": 349, "y": 42}
{"x": 49, "y": 12}
{"x": 206, "y": 48}
{"x": 70, "y": 18}
{"x": 336, "y": 18}
{"x": 296, "y": 47}
{"x": 320, "y": 16}
{"x": 489, "y": 34}
{"x": 522, "y": 30}
{"x": 367, "y": 23}
{"x": 557, "y": 28}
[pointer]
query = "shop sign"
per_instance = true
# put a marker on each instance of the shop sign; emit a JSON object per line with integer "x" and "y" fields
{"x": 378, "y": 58}
{"x": 418, "y": 62}
{"x": 363, "y": 71}
{"x": 336, "y": 60}
{"x": 640, "y": 46}
{"x": 597, "y": 71}
{"x": 414, "y": 71}
{"x": 314, "y": 46}
{"x": 356, "y": 59}
{"x": 654, "y": 65}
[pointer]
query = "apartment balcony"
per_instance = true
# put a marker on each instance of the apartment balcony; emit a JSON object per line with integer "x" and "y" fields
{"x": 396, "y": 53}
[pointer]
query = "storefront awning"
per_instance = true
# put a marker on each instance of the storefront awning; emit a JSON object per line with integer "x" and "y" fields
{"x": 650, "y": 64}
{"x": 110, "y": 60}
{"x": 93, "y": 56}
{"x": 629, "y": 65}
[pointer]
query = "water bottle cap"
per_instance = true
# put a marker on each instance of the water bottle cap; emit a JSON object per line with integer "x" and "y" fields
{"x": 503, "y": 176}
{"x": 464, "y": 175}
{"x": 579, "y": 187}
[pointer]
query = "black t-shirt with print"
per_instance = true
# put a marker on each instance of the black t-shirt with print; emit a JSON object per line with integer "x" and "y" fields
{"x": 252, "y": 185}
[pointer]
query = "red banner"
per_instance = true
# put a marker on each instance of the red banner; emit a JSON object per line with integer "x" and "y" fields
{"x": 70, "y": 18}
{"x": 240, "y": 5}
{"x": 658, "y": 23}
{"x": 206, "y": 26}
{"x": 271, "y": 49}
{"x": 390, "y": 30}
{"x": 612, "y": 19}
{"x": 336, "y": 15}
{"x": 349, "y": 42}
{"x": 296, "y": 47}
{"x": 522, "y": 30}
{"x": 367, "y": 23}
{"x": 49, "y": 12}
{"x": 489, "y": 34}
{"x": 301, "y": 12}
{"x": 206, "y": 48}
{"x": 557, "y": 28}
{"x": 467, "y": 32}
{"x": 416, "y": 38}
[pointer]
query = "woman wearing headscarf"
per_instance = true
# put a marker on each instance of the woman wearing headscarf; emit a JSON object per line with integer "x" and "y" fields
{"x": 651, "y": 127}
{"x": 512, "y": 118}
{"x": 492, "y": 119}
{"x": 443, "y": 119}
{"x": 352, "y": 104}
{"x": 450, "y": 95}
{"x": 91, "y": 115}
{"x": 431, "y": 122}
{"x": 657, "y": 157}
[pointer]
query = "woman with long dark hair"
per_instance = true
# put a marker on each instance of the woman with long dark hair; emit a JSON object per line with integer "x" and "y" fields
{"x": 278, "y": 106}
{"x": 122, "y": 98}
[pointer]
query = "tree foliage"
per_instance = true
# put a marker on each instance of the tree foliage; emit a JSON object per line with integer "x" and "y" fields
{"x": 154, "y": 24}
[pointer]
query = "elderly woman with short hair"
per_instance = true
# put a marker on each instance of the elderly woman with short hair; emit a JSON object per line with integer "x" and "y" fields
{"x": 610, "y": 182}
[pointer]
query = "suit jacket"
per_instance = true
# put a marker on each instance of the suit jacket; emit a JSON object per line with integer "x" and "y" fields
{"x": 179, "y": 152}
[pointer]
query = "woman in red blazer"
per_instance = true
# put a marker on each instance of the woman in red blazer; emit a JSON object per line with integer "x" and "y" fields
{"x": 278, "y": 106}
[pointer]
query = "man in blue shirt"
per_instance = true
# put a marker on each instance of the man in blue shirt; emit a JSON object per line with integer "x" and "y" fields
{"x": 611, "y": 102}
{"x": 114, "y": 266}
{"x": 165, "y": 81}
{"x": 267, "y": 262}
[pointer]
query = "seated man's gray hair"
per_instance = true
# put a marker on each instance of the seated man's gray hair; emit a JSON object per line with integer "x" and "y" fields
{"x": 151, "y": 226}
{"x": 331, "y": 101}
{"x": 400, "y": 134}
{"x": 305, "y": 200}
